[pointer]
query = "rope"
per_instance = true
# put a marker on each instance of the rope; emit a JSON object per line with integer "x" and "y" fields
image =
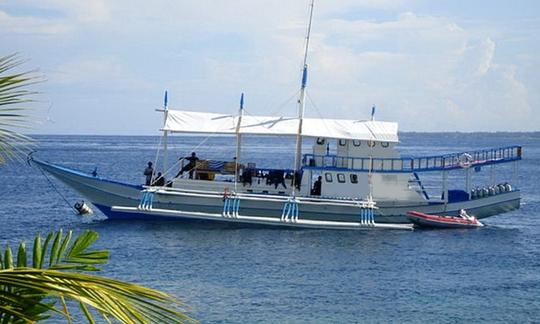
{"x": 278, "y": 108}
{"x": 156, "y": 159}
{"x": 317, "y": 111}
{"x": 56, "y": 189}
{"x": 192, "y": 150}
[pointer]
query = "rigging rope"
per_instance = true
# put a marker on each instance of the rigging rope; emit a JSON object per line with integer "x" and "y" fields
{"x": 193, "y": 149}
{"x": 56, "y": 189}
{"x": 156, "y": 159}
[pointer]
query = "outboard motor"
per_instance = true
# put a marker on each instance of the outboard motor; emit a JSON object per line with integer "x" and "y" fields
{"x": 82, "y": 208}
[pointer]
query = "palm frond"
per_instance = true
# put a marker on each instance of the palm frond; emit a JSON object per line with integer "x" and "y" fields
{"x": 128, "y": 303}
{"x": 14, "y": 91}
{"x": 26, "y": 287}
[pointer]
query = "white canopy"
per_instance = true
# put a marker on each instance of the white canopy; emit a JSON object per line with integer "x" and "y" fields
{"x": 210, "y": 123}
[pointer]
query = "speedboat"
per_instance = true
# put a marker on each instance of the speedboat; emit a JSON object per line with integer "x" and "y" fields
{"x": 437, "y": 221}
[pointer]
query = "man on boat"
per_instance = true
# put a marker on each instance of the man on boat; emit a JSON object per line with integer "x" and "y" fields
{"x": 149, "y": 172}
{"x": 190, "y": 167}
{"x": 317, "y": 186}
{"x": 159, "y": 180}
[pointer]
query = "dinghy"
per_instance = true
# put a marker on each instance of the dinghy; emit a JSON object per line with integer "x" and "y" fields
{"x": 427, "y": 220}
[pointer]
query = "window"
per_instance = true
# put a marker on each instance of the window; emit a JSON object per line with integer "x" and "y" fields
{"x": 328, "y": 177}
{"x": 354, "y": 178}
{"x": 342, "y": 142}
{"x": 371, "y": 143}
{"x": 341, "y": 177}
{"x": 320, "y": 140}
{"x": 385, "y": 144}
{"x": 357, "y": 142}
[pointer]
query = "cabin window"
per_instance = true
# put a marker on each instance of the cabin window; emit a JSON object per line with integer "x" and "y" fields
{"x": 385, "y": 144}
{"x": 342, "y": 142}
{"x": 320, "y": 140}
{"x": 354, "y": 178}
{"x": 357, "y": 142}
{"x": 328, "y": 177}
{"x": 371, "y": 143}
{"x": 341, "y": 177}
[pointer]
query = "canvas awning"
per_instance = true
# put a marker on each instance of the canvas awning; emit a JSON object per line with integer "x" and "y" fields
{"x": 181, "y": 121}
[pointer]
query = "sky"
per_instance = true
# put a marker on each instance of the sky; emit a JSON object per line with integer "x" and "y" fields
{"x": 428, "y": 65}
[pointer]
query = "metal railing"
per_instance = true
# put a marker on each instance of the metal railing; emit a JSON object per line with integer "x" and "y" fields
{"x": 416, "y": 164}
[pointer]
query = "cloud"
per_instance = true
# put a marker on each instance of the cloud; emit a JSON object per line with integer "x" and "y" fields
{"x": 97, "y": 73}
{"x": 69, "y": 17}
{"x": 427, "y": 71}
{"x": 30, "y": 25}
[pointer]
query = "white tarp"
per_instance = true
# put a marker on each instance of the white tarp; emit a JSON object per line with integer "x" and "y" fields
{"x": 210, "y": 123}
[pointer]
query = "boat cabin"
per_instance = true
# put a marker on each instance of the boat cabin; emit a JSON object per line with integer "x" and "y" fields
{"x": 352, "y": 159}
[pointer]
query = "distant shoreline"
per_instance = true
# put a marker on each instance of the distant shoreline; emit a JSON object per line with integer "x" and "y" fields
{"x": 232, "y": 135}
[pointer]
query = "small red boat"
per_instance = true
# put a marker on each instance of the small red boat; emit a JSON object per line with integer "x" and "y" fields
{"x": 426, "y": 220}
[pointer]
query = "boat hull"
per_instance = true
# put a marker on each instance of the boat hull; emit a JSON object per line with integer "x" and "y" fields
{"x": 104, "y": 194}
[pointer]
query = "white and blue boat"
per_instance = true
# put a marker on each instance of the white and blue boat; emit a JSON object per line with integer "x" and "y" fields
{"x": 352, "y": 164}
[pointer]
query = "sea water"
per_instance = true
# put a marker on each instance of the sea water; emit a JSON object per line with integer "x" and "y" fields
{"x": 248, "y": 275}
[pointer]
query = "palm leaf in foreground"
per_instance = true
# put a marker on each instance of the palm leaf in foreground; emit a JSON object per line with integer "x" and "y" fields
{"x": 29, "y": 294}
{"x": 128, "y": 303}
{"x": 14, "y": 93}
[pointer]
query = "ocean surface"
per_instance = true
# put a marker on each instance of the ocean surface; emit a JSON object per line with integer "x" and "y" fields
{"x": 248, "y": 275}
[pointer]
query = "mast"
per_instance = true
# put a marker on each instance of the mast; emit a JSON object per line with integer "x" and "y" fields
{"x": 302, "y": 99}
{"x": 165, "y": 133}
{"x": 238, "y": 140}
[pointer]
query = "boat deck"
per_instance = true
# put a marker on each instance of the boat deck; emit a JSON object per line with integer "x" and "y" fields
{"x": 442, "y": 162}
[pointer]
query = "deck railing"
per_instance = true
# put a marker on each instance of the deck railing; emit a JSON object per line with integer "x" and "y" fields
{"x": 417, "y": 164}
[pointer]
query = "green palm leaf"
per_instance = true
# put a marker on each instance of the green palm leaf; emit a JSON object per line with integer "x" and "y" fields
{"x": 14, "y": 93}
{"x": 24, "y": 289}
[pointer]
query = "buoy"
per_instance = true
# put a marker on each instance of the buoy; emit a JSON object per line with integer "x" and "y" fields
{"x": 82, "y": 208}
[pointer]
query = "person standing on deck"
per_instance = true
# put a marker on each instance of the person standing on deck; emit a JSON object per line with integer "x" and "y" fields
{"x": 317, "y": 186}
{"x": 190, "y": 166}
{"x": 149, "y": 172}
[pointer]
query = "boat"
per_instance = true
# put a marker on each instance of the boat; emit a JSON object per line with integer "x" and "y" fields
{"x": 437, "y": 221}
{"x": 353, "y": 178}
